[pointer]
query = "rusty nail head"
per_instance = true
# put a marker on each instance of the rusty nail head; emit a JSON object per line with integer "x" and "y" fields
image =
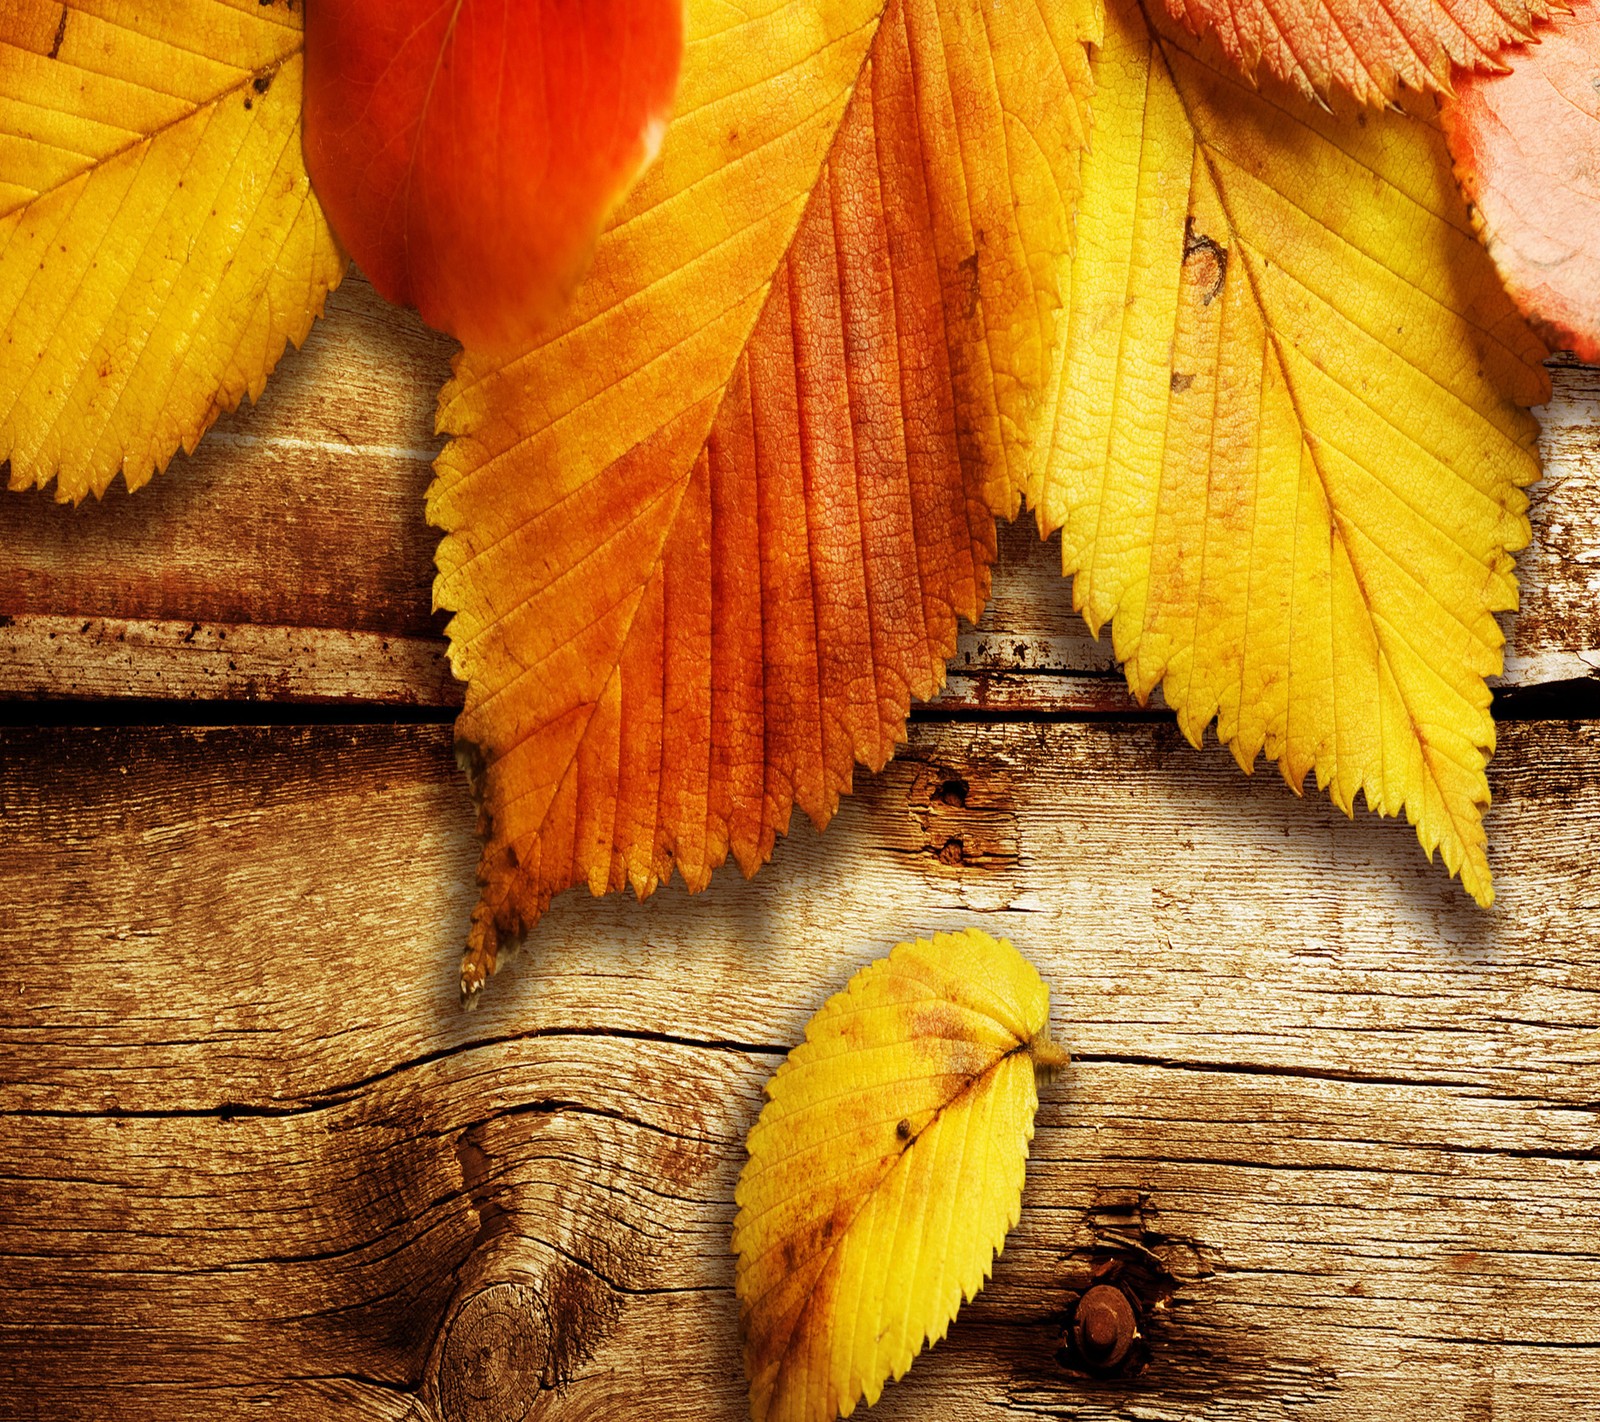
{"x": 1104, "y": 1326}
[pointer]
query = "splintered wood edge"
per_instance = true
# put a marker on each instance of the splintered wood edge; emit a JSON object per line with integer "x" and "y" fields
{"x": 46, "y": 656}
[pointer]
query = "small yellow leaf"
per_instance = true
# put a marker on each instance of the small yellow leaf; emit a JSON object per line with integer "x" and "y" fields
{"x": 159, "y": 242}
{"x": 886, "y": 1170}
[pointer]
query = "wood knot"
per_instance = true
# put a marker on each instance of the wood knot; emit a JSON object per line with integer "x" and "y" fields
{"x": 493, "y": 1359}
{"x": 963, "y": 827}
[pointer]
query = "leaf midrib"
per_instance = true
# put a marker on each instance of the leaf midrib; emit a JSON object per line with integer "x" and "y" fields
{"x": 721, "y": 397}
{"x": 140, "y": 140}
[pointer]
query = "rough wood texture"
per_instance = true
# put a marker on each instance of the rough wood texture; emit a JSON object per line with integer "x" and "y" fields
{"x": 302, "y": 511}
{"x": 255, "y": 1155}
{"x": 45, "y": 655}
{"x": 302, "y": 517}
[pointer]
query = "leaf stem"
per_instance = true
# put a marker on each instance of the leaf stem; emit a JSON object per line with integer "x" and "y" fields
{"x": 1047, "y": 1053}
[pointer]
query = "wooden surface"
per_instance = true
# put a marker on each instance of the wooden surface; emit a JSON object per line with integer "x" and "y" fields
{"x": 255, "y": 1156}
{"x": 288, "y": 558}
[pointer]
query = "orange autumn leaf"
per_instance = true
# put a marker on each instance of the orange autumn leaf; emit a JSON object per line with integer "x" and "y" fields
{"x": 707, "y": 539}
{"x": 1365, "y": 48}
{"x": 1527, "y": 151}
{"x": 467, "y": 154}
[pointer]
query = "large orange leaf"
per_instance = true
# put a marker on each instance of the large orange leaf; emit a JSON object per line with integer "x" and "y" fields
{"x": 709, "y": 537}
{"x": 467, "y": 153}
{"x": 1527, "y": 150}
{"x": 1365, "y": 47}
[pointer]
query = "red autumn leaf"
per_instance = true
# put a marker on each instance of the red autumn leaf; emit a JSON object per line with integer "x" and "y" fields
{"x": 1363, "y": 47}
{"x": 467, "y": 154}
{"x": 1527, "y": 151}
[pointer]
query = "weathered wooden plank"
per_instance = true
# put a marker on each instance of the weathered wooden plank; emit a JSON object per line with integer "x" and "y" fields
{"x": 1556, "y": 636}
{"x": 305, "y": 512}
{"x": 48, "y": 656}
{"x": 254, "y": 1154}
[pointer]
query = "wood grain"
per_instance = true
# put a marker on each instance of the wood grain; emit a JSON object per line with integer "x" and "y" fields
{"x": 49, "y": 656}
{"x": 255, "y": 1155}
{"x": 303, "y": 510}
{"x": 301, "y": 517}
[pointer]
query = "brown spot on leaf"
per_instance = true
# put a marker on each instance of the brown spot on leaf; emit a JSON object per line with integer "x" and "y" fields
{"x": 1205, "y": 262}
{"x": 969, "y": 269}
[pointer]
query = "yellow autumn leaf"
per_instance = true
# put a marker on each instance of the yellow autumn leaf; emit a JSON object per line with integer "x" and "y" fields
{"x": 1288, "y": 455}
{"x": 886, "y": 1170}
{"x": 706, "y": 540}
{"x": 159, "y": 242}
